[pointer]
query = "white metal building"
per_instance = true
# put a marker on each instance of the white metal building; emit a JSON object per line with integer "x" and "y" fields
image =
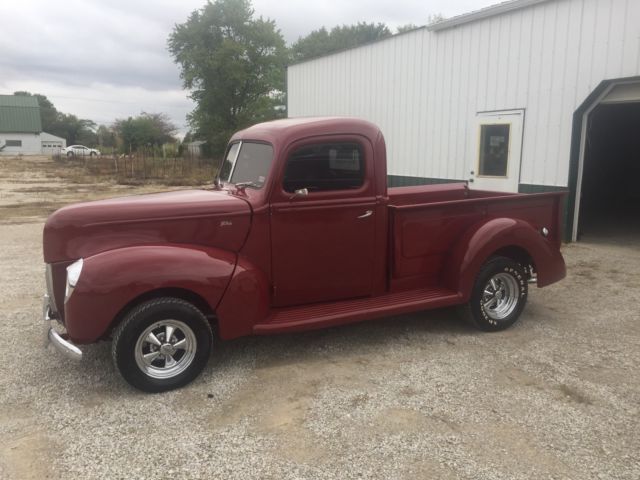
{"x": 51, "y": 144}
{"x": 509, "y": 98}
{"x": 21, "y": 128}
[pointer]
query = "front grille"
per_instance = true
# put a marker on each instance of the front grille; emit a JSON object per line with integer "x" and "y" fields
{"x": 50, "y": 292}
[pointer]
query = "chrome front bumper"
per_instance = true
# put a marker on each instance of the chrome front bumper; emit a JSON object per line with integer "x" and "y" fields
{"x": 53, "y": 337}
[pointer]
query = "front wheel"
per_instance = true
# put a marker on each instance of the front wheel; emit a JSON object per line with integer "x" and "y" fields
{"x": 162, "y": 344}
{"x": 499, "y": 295}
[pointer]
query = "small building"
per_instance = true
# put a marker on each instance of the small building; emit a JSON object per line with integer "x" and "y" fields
{"x": 194, "y": 149}
{"x": 524, "y": 96}
{"x": 20, "y": 125}
{"x": 51, "y": 144}
{"x": 21, "y": 128}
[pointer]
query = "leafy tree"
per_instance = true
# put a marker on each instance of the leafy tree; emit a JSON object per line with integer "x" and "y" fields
{"x": 48, "y": 113}
{"x": 105, "y": 136}
{"x": 322, "y": 42}
{"x": 435, "y": 18}
{"x": 233, "y": 64}
{"x": 406, "y": 28}
{"x": 73, "y": 129}
{"x": 145, "y": 129}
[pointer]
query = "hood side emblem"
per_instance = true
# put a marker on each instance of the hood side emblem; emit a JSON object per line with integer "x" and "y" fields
{"x": 226, "y": 223}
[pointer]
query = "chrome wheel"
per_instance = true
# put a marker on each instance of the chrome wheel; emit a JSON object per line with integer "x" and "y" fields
{"x": 165, "y": 349}
{"x": 500, "y": 296}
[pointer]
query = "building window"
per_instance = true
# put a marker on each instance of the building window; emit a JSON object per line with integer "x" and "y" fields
{"x": 494, "y": 150}
{"x": 322, "y": 167}
{"x": 14, "y": 143}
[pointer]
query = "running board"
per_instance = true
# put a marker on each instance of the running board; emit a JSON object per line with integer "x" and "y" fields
{"x": 321, "y": 315}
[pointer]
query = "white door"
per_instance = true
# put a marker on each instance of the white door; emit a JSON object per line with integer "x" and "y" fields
{"x": 497, "y": 147}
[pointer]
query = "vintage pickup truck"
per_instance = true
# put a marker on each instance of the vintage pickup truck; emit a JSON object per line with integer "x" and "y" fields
{"x": 299, "y": 231}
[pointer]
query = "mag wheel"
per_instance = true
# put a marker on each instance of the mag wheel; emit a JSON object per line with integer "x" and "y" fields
{"x": 162, "y": 344}
{"x": 499, "y": 295}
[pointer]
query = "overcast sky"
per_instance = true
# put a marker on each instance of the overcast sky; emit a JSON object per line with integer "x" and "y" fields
{"x": 108, "y": 59}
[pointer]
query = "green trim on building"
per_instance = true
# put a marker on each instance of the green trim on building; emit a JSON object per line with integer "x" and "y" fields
{"x": 19, "y": 114}
{"x": 404, "y": 181}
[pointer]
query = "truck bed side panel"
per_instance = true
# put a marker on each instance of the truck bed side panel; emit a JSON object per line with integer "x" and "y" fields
{"x": 423, "y": 235}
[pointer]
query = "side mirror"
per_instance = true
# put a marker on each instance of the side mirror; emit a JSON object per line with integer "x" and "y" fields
{"x": 301, "y": 192}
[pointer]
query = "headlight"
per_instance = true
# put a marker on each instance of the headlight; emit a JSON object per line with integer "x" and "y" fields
{"x": 73, "y": 275}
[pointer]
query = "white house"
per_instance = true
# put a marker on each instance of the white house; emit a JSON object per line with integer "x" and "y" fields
{"x": 21, "y": 128}
{"x": 522, "y": 96}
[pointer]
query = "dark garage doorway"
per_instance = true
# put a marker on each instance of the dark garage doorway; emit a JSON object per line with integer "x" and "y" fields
{"x": 610, "y": 192}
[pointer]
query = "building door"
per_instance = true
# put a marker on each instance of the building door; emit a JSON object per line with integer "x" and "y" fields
{"x": 51, "y": 147}
{"x": 497, "y": 147}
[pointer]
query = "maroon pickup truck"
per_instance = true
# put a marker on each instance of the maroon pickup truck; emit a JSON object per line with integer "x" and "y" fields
{"x": 299, "y": 231}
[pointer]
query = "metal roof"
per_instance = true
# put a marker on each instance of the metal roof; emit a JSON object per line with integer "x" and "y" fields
{"x": 491, "y": 11}
{"x": 19, "y": 114}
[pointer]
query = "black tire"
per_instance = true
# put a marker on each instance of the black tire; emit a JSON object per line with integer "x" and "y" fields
{"x": 190, "y": 326}
{"x": 489, "y": 309}
{"x": 92, "y": 154}
{"x": 69, "y": 154}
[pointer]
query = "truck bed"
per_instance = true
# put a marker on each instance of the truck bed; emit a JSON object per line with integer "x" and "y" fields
{"x": 426, "y": 221}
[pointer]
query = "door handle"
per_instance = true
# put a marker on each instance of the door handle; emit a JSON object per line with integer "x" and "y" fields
{"x": 366, "y": 214}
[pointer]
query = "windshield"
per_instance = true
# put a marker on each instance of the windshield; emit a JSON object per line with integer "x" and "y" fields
{"x": 247, "y": 162}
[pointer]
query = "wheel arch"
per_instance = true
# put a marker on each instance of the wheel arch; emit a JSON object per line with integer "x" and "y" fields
{"x": 113, "y": 282}
{"x": 174, "y": 292}
{"x": 508, "y": 237}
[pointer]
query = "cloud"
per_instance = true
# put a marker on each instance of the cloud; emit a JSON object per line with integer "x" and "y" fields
{"x": 108, "y": 59}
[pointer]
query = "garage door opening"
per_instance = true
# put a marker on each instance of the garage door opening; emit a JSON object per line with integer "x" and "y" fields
{"x": 610, "y": 193}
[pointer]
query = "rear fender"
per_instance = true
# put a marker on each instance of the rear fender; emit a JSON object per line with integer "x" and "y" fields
{"x": 482, "y": 240}
{"x": 111, "y": 280}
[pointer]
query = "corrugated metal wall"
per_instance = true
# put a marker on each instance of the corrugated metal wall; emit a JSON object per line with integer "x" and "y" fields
{"x": 424, "y": 88}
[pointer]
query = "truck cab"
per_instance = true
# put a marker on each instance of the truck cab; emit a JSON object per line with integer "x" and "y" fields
{"x": 299, "y": 231}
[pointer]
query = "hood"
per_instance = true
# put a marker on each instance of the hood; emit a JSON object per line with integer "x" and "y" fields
{"x": 196, "y": 217}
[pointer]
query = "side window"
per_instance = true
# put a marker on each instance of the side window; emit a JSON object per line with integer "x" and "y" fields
{"x": 325, "y": 166}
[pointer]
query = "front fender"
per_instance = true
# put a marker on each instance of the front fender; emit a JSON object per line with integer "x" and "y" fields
{"x": 482, "y": 240}
{"x": 245, "y": 303}
{"x": 111, "y": 280}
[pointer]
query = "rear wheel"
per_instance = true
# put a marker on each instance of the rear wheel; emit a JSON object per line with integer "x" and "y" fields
{"x": 70, "y": 154}
{"x": 162, "y": 344}
{"x": 499, "y": 295}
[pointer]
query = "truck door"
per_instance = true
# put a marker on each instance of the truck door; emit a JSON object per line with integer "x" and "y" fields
{"x": 322, "y": 221}
{"x": 497, "y": 143}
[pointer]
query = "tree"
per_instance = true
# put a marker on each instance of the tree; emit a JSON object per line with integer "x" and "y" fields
{"x": 48, "y": 113}
{"x": 322, "y": 42}
{"x": 73, "y": 129}
{"x": 406, "y": 28}
{"x": 233, "y": 65}
{"x": 435, "y": 18}
{"x": 144, "y": 130}
{"x": 106, "y": 136}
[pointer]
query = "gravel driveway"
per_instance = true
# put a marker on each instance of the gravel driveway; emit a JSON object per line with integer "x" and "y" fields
{"x": 417, "y": 396}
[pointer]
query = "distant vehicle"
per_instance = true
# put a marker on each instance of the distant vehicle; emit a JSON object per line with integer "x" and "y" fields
{"x": 79, "y": 151}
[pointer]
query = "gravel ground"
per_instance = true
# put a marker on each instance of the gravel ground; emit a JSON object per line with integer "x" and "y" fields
{"x": 416, "y": 396}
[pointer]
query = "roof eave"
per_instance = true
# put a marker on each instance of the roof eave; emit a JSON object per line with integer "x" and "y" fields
{"x": 491, "y": 11}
